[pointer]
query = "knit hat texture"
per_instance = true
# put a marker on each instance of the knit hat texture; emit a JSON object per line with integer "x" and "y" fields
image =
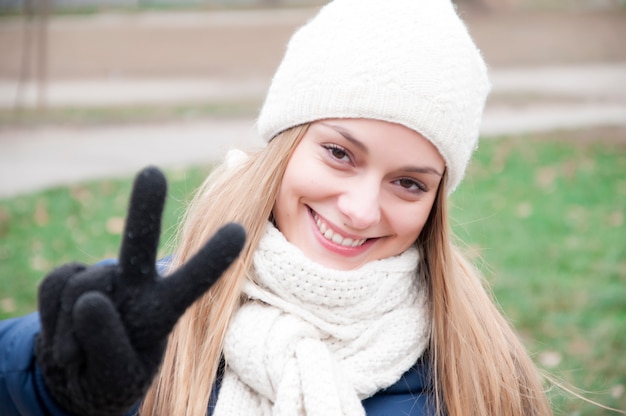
{"x": 410, "y": 62}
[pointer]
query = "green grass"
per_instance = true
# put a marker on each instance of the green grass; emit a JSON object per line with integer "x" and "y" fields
{"x": 547, "y": 219}
{"x": 544, "y": 218}
{"x": 77, "y": 223}
{"x": 17, "y": 117}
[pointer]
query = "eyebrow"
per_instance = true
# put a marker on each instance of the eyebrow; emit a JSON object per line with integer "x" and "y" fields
{"x": 348, "y": 136}
{"x": 424, "y": 169}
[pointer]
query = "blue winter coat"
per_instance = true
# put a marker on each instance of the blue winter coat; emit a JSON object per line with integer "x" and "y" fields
{"x": 23, "y": 391}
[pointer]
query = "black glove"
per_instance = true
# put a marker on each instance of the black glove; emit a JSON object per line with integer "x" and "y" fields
{"x": 104, "y": 328}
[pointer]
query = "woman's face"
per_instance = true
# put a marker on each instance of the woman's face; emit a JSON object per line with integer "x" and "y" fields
{"x": 357, "y": 190}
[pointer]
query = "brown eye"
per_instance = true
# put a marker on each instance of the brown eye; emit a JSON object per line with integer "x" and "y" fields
{"x": 337, "y": 152}
{"x": 411, "y": 185}
{"x": 406, "y": 183}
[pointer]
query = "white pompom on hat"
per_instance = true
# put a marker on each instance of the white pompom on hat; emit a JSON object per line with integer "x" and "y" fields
{"x": 410, "y": 62}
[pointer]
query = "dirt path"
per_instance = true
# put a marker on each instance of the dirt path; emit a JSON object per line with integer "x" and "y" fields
{"x": 551, "y": 70}
{"x": 250, "y": 44}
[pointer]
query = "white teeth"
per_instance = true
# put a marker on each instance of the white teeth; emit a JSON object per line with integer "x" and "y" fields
{"x": 335, "y": 237}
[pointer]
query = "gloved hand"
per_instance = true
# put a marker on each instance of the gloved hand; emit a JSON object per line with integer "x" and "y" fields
{"x": 104, "y": 328}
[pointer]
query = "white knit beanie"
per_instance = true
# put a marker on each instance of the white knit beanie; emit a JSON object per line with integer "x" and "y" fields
{"x": 410, "y": 62}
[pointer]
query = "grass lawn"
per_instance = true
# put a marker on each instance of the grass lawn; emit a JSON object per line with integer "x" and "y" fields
{"x": 544, "y": 218}
{"x": 547, "y": 220}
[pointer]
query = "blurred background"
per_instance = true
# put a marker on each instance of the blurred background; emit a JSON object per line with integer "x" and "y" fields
{"x": 93, "y": 90}
{"x": 66, "y": 65}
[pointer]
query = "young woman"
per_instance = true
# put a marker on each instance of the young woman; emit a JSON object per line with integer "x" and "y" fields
{"x": 349, "y": 296}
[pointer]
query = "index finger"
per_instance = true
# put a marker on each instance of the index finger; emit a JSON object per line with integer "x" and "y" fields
{"x": 143, "y": 226}
{"x": 179, "y": 290}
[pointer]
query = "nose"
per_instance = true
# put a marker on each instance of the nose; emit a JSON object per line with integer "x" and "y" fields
{"x": 360, "y": 204}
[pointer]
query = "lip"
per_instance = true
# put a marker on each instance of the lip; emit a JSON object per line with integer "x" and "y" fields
{"x": 334, "y": 247}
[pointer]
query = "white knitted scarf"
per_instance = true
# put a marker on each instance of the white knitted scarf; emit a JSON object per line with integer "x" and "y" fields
{"x": 316, "y": 341}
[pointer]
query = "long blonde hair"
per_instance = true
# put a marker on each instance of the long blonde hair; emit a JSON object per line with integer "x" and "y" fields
{"x": 478, "y": 365}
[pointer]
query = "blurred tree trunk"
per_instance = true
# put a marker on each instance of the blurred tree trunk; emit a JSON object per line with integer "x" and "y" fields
{"x": 43, "y": 15}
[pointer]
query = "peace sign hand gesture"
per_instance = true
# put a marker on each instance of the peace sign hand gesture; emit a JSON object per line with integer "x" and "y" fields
{"x": 104, "y": 328}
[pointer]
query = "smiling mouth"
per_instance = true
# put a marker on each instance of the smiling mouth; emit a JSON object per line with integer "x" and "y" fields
{"x": 335, "y": 237}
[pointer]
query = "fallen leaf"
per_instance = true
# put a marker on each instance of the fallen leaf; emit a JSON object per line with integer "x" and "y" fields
{"x": 545, "y": 177}
{"x": 81, "y": 194}
{"x": 115, "y": 225}
{"x": 41, "y": 215}
{"x": 524, "y": 210}
{"x": 550, "y": 359}
{"x": 7, "y": 305}
{"x": 40, "y": 264}
{"x": 616, "y": 219}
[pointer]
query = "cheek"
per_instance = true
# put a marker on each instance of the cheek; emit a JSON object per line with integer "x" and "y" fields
{"x": 307, "y": 180}
{"x": 298, "y": 184}
{"x": 409, "y": 223}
